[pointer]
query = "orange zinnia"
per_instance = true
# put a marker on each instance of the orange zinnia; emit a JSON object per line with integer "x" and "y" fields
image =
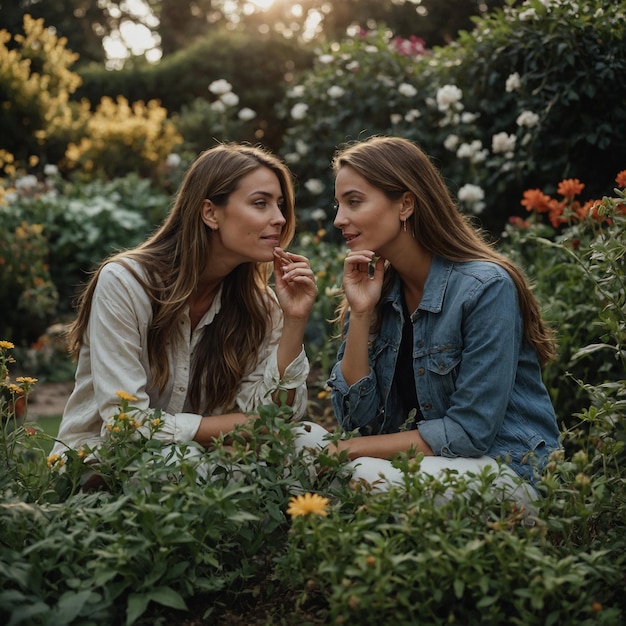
{"x": 620, "y": 179}
{"x": 570, "y": 187}
{"x": 537, "y": 200}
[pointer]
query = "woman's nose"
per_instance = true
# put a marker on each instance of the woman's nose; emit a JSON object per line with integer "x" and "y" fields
{"x": 277, "y": 216}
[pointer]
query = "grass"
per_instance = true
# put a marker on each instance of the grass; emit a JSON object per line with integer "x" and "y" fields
{"x": 50, "y": 426}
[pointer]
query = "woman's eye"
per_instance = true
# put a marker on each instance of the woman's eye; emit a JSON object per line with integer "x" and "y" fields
{"x": 261, "y": 204}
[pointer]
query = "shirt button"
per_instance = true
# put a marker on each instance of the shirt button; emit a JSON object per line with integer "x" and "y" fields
{"x": 181, "y": 389}
{"x": 420, "y": 371}
{"x": 427, "y": 407}
{"x": 421, "y": 344}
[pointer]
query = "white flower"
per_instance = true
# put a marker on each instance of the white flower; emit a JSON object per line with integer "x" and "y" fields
{"x": 395, "y": 118}
{"x": 468, "y": 118}
{"x": 501, "y": 142}
{"x": 473, "y": 151}
{"x": 513, "y": 82}
{"x": 326, "y": 58}
{"x": 218, "y": 106}
{"x": 246, "y": 114}
{"x": 412, "y": 115}
{"x": 528, "y": 119}
{"x": 50, "y": 169}
{"x": 230, "y": 99}
{"x": 172, "y": 160}
{"x": 26, "y": 182}
{"x": 447, "y": 96}
{"x": 353, "y": 66}
{"x": 297, "y": 91}
{"x": 298, "y": 111}
{"x": 220, "y": 86}
{"x": 292, "y": 157}
{"x": 528, "y": 14}
{"x": 371, "y": 49}
{"x": 406, "y": 89}
{"x": 319, "y": 215}
{"x": 451, "y": 142}
{"x": 314, "y": 186}
{"x": 301, "y": 147}
{"x": 335, "y": 91}
{"x": 473, "y": 196}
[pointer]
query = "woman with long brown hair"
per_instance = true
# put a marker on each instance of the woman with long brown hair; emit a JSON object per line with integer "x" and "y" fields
{"x": 443, "y": 337}
{"x": 187, "y": 321}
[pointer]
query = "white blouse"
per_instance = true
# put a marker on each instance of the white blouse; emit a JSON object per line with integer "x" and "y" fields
{"x": 114, "y": 357}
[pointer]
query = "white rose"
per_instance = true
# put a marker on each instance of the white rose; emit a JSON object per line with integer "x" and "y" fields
{"x": 220, "y": 86}
{"x": 447, "y": 96}
{"x": 406, "y": 89}
{"x": 527, "y": 119}
{"x": 395, "y": 118}
{"x": 246, "y": 114}
{"x": 298, "y": 111}
{"x": 335, "y": 91}
{"x": 218, "y": 106}
{"x": 319, "y": 215}
{"x": 501, "y": 142}
{"x": 314, "y": 186}
{"x": 230, "y": 99}
{"x": 513, "y": 82}
{"x": 451, "y": 142}
{"x": 172, "y": 160}
{"x": 326, "y": 58}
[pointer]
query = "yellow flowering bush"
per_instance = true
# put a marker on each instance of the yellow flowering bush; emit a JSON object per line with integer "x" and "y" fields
{"x": 119, "y": 137}
{"x": 28, "y": 297}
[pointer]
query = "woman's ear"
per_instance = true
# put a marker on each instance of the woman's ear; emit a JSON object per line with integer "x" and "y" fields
{"x": 408, "y": 205}
{"x": 209, "y": 216}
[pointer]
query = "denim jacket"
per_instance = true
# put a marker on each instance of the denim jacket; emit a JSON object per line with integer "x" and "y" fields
{"x": 479, "y": 384}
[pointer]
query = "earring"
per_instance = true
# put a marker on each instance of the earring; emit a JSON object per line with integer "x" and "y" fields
{"x": 404, "y": 225}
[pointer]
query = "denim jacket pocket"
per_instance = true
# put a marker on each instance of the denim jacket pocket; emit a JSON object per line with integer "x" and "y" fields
{"x": 444, "y": 361}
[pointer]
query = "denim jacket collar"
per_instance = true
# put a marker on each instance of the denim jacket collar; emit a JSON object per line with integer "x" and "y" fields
{"x": 434, "y": 290}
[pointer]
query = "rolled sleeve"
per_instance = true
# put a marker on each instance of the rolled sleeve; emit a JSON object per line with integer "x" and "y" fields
{"x": 176, "y": 428}
{"x": 355, "y": 406}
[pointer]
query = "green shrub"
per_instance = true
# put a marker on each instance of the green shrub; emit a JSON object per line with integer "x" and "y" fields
{"x": 82, "y": 225}
{"x": 531, "y": 96}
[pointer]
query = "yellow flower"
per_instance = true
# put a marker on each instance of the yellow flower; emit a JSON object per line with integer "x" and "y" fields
{"x": 125, "y": 396}
{"x": 307, "y": 504}
{"x": 26, "y": 379}
{"x": 156, "y": 422}
{"x": 6, "y": 345}
{"x": 54, "y": 460}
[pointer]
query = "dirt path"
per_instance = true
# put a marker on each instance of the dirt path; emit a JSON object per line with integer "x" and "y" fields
{"x": 48, "y": 399}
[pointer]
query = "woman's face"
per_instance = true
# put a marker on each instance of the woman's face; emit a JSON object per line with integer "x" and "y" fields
{"x": 248, "y": 227}
{"x": 367, "y": 218}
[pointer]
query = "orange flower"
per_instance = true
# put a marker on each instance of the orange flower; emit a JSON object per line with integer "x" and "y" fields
{"x": 620, "y": 179}
{"x": 555, "y": 213}
{"x": 570, "y": 187}
{"x": 535, "y": 199}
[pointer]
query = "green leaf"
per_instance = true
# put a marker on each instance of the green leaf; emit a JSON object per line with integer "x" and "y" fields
{"x": 168, "y": 597}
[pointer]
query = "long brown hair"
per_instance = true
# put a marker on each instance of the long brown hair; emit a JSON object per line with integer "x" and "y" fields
{"x": 174, "y": 258}
{"x": 395, "y": 165}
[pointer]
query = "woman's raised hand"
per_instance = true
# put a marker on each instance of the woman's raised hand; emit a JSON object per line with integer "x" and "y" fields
{"x": 361, "y": 286}
{"x": 296, "y": 287}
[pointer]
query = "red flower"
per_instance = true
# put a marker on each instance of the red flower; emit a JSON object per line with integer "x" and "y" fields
{"x": 620, "y": 179}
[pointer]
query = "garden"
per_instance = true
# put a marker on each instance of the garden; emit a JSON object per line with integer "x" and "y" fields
{"x": 525, "y": 115}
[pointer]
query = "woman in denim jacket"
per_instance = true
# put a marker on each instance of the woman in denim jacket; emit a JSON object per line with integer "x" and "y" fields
{"x": 443, "y": 339}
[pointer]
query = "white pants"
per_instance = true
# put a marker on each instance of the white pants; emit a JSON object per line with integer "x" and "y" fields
{"x": 382, "y": 475}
